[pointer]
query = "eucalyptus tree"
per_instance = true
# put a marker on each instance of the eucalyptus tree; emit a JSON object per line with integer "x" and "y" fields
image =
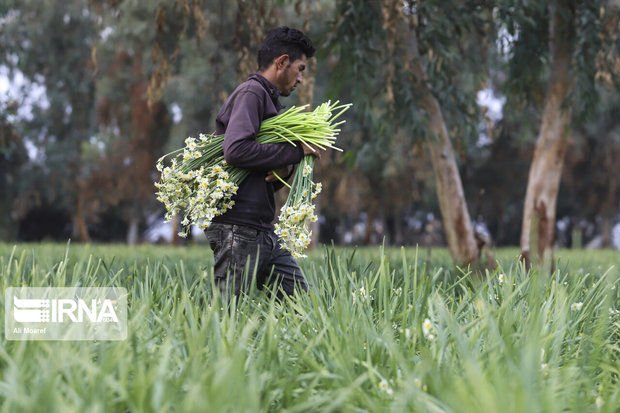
{"x": 137, "y": 54}
{"x": 416, "y": 66}
{"x": 49, "y": 44}
{"x": 559, "y": 54}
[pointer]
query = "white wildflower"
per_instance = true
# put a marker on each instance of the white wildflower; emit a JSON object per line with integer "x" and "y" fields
{"x": 427, "y": 327}
{"x": 576, "y": 306}
{"x": 418, "y": 383}
{"x": 385, "y": 387}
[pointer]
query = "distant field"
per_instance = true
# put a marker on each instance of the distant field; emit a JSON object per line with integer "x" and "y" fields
{"x": 199, "y": 255}
{"x": 382, "y": 330}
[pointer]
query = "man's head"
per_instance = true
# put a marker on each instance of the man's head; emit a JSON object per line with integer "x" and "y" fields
{"x": 282, "y": 57}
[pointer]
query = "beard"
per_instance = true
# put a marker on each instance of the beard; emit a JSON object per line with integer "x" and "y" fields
{"x": 288, "y": 92}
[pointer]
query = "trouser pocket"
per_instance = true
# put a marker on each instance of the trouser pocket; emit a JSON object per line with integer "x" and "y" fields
{"x": 214, "y": 237}
{"x": 235, "y": 249}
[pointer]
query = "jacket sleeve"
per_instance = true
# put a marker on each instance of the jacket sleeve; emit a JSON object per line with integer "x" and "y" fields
{"x": 240, "y": 146}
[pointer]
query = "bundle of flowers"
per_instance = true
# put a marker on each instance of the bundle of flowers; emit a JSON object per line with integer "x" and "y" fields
{"x": 199, "y": 183}
{"x": 298, "y": 211}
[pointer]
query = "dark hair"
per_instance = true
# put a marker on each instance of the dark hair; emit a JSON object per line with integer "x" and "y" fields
{"x": 284, "y": 40}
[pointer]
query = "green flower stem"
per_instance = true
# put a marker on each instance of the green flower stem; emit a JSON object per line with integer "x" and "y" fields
{"x": 313, "y": 129}
{"x": 281, "y": 180}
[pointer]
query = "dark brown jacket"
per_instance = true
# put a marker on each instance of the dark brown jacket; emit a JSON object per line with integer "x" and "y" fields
{"x": 239, "y": 120}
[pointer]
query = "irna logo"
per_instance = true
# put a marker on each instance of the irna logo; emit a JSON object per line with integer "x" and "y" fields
{"x": 28, "y": 310}
{"x": 73, "y": 313}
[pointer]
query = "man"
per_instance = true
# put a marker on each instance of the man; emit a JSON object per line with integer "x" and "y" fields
{"x": 243, "y": 238}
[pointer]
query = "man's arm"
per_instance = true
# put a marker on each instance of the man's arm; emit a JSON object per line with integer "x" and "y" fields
{"x": 240, "y": 146}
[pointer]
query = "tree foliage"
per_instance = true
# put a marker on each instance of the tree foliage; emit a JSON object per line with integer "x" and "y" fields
{"x": 121, "y": 82}
{"x": 50, "y": 44}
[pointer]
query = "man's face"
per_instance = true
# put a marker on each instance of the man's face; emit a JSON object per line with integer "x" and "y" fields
{"x": 290, "y": 75}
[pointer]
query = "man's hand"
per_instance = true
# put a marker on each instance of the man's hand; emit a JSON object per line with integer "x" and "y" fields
{"x": 285, "y": 172}
{"x": 312, "y": 150}
{"x": 282, "y": 173}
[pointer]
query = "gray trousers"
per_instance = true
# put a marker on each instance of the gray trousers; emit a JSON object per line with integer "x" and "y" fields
{"x": 239, "y": 250}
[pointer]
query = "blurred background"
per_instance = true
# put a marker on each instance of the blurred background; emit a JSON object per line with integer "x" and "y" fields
{"x": 474, "y": 124}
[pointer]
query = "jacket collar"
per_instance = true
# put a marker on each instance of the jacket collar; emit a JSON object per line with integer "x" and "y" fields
{"x": 272, "y": 90}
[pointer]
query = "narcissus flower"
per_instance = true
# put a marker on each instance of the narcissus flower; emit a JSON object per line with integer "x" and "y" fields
{"x": 200, "y": 184}
{"x": 427, "y": 326}
{"x": 385, "y": 387}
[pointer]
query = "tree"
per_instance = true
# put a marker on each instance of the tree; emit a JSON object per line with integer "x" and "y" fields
{"x": 137, "y": 58}
{"x": 416, "y": 64}
{"x": 575, "y": 38}
{"x": 546, "y": 169}
{"x": 50, "y": 44}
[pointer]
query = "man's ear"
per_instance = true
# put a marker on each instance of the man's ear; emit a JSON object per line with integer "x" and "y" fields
{"x": 282, "y": 61}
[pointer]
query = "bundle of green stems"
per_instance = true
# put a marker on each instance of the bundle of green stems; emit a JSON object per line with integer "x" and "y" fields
{"x": 200, "y": 183}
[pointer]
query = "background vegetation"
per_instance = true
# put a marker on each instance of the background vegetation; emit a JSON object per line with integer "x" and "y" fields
{"x": 93, "y": 92}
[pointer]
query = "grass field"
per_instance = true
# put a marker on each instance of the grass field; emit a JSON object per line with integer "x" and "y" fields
{"x": 382, "y": 330}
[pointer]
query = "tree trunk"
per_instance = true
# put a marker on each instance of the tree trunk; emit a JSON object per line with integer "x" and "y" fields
{"x": 538, "y": 229}
{"x": 606, "y": 226}
{"x": 132, "y": 232}
{"x": 608, "y": 207}
{"x": 456, "y": 220}
{"x": 80, "y": 229}
{"x": 370, "y": 225}
{"x": 174, "y": 228}
{"x": 134, "y": 217}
